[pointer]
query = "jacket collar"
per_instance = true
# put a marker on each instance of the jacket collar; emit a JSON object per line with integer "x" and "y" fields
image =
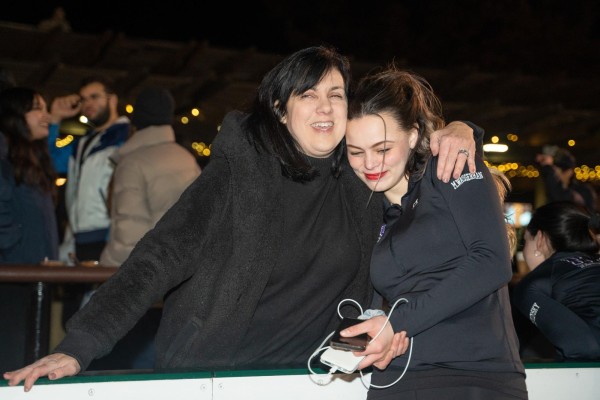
{"x": 149, "y": 136}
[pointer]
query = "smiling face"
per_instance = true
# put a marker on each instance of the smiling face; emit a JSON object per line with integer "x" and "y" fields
{"x": 317, "y": 117}
{"x": 38, "y": 119}
{"x": 378, "y": 158}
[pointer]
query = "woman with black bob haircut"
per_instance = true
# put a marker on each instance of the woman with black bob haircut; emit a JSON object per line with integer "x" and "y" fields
{"x": 561, "y": 294}
{"x": 250, "y": 262}
{"x": 292, "y": 77}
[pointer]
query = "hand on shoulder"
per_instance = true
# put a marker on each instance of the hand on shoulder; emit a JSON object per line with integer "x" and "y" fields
{"x": 455, "y": 146}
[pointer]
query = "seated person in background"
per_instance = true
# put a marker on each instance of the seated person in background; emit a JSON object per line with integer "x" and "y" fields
{"x": 561, "y": 294}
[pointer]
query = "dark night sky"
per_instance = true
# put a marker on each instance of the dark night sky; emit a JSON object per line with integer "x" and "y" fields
{"x": 540, "y": 37}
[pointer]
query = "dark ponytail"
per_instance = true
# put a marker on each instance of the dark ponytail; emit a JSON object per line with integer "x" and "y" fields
{"x": 568, "y": 226}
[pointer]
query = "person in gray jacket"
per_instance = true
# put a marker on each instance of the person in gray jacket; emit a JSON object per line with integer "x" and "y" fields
{"x": 255, "y": 256}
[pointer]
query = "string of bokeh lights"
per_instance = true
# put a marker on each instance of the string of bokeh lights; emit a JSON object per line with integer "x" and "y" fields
{"x": 583, "y": 173}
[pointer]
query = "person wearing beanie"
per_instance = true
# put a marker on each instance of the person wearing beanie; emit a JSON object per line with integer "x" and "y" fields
{"x": 557, "y": 169}
{"x": 153, "y": 106}
{"x": 151, "y": 172}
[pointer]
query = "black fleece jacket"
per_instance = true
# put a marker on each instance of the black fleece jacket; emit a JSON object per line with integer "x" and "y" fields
{"x": 445, "y": 250}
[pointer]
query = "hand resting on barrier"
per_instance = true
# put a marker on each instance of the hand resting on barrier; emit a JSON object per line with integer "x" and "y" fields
{"x": 54, "y": 366}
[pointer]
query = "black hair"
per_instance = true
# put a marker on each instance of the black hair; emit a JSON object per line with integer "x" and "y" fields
{"x": 569, "y": 227}
{"x": 409, "y": 99}
{"x": 30, "y": 158}
{"x": 293, "y": 76}
{"x": 564, "y": 160}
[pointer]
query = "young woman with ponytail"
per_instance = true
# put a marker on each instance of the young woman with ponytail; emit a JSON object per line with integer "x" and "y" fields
{"x": 443, "y": 247}
{"x": 561, "y": 294}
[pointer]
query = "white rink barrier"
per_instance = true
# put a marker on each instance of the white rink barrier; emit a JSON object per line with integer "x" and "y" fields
{"x": 544, "y": 382}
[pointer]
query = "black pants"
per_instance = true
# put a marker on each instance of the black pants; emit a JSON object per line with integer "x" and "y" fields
{"x": 15, "y": 312}
{"x": 450, "y": 393}
{"x": 441, "y": 384}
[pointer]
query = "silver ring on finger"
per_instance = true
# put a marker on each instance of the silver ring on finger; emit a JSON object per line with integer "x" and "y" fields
{"x": 464, "y": 151}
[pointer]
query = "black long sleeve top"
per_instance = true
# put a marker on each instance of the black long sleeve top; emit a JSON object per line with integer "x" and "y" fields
{"x": 445, "y": 250}
{"x": 562, "y": 298}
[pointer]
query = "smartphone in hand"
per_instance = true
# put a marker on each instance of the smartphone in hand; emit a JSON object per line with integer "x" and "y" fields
{"x": 354, "y": 343}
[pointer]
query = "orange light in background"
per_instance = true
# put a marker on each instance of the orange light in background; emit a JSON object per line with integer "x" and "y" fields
{"x": 201, "y": 148}
{"x": 129, "y": 108}
{"x": 571, "y": 143}
{"x": 514, "y": 170}
{"x": 60, "y": 181}
{"x": 64, "y": 142}
{"x": 195, "y": 112}
{"x": 184, "y": 120}
{"x": 495, "y": 139}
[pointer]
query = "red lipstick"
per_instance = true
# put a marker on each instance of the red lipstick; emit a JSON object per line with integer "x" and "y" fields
{"x": 374, "y": 177}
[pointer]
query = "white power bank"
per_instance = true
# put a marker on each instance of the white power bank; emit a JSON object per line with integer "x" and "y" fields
{"x": 343, "y": 361}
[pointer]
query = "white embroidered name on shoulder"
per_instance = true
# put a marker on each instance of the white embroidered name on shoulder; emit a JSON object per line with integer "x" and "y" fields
{"x": 581, "y": 262}
{"x": 465, "y": 178}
